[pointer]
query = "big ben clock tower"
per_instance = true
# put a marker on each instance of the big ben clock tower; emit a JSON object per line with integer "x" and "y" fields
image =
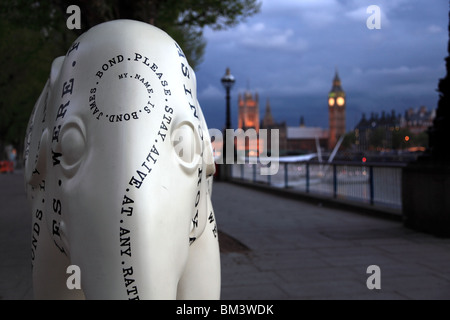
{"x": 336, "y": 111}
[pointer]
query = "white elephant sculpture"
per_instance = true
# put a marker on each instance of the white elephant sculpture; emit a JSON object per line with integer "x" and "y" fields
{"x": 118, "y": 168}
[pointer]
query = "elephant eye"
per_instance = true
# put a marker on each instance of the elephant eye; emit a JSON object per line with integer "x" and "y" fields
{"x": 73, "y": 146}
{"x": 187, "y": 146}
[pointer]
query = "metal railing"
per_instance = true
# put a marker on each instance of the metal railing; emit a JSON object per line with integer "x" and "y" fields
{"x": 378, "y": 184}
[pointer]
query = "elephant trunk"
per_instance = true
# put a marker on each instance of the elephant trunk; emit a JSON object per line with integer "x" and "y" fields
{"x": 135, "y": 248}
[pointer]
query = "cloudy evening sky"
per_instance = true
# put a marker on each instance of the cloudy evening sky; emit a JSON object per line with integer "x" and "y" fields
{"x": 288, "y": 53}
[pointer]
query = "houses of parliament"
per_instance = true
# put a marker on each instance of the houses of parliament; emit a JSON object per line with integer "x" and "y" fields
{"x": 300, "y": 139}
{"x": 303, "y": 139}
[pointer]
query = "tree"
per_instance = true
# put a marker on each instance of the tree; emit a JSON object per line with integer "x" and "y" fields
{"x": 421, "y": 139}
{"x": 25, "y": 59}
{"x": 378, "y": 138}
{"x": 349, "y": 140}
{"x": 401, "y": 139}
{"x": 439, "y": 133}
{"x": 184, "y": 20}
{"x": 30, "y": 38}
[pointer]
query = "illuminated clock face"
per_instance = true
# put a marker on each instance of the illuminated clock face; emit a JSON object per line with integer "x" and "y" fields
{"x": 340, "y": 101}
{"x": 331, "y": 101}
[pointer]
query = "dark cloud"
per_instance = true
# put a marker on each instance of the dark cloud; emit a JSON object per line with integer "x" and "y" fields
{"x": 289, "y": 53}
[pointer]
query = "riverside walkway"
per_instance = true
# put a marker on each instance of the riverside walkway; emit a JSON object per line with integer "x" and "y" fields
{"x": 275, "y": 248}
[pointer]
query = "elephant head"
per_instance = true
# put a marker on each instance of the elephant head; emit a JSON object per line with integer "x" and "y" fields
{"x": 118, "y": 168}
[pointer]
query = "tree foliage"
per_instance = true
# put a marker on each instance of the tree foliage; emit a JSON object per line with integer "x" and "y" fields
{"x": 184, "y": 20}
{"x": 349, "y": 140}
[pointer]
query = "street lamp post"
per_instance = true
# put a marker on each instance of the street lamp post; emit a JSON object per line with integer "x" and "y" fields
{"x": 227, "y": 82}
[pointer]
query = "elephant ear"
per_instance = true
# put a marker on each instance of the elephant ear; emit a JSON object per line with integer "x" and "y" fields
{"x": 208, "y": 156}
{"x": 36, "y": 139}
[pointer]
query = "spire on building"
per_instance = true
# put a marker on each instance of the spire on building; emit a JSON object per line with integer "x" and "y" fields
{"x": 268, "y": 118}
{"x": 336, "y": 83}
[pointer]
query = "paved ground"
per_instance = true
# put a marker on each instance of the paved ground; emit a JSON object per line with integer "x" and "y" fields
{"x": 304, "y": 251}
{"x": 296, "y": 250}
{"x": 15, "y": 239}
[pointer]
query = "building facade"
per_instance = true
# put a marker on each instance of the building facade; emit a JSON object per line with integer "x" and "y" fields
{"x": 418, "y": 120}
{"x": 248, "y": 111}
{"x": 293, "y": 140}
{"x": 380, "y": 130}
{"x": 336, "y": 112}
{"x": 383, "y": 126}
{"x": 304, "y": 139}
{"x": 248, "y": 121}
